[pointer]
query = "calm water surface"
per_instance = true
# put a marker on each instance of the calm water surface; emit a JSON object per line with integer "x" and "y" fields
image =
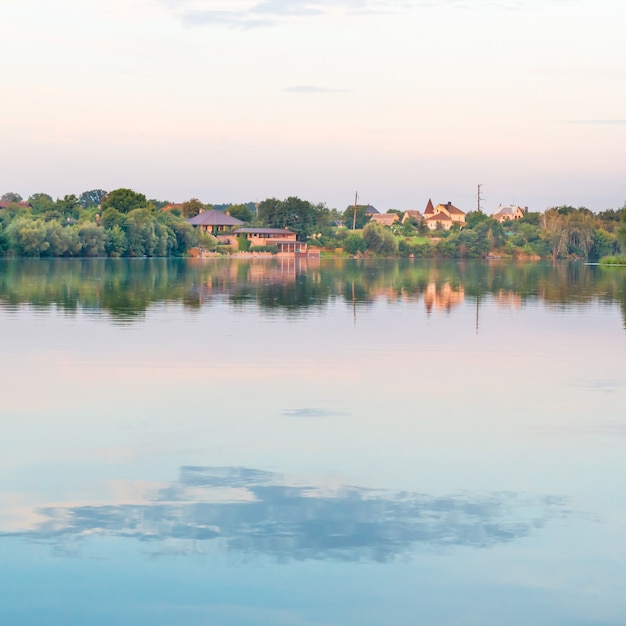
{"x": 274, "y": 443}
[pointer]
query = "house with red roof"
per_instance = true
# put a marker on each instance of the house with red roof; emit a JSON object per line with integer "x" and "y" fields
{"x": 4, "y": 204}
{"x": 443, "y": 216}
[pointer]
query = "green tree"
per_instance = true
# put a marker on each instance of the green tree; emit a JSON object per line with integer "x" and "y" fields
{"x": 192, "y": 207}
{"x": 379, "y": 239}
{"x": 610, "y": 219}
{"x": 475, "y": 217}
{"x": 124, "y": 200}
{"x": 183, "y": 233}
{"x": 92, "y": 198}
{"x": 362, "y": 216}
{"x": 604, "y": 244}
{"x": 354, "y": 243}
{"x": 28, "y": 237}
{"x": 92, "y": 239}
{"x": 158, "y": 204}
{"x": 531, "y": 217}
{"x": 111, "y": 217}
{"x": 241, "y": 212}
{"x": 554, "y": 225}
{"x": 4, "y": 241}
{"x": 373, "y": 236}
{"x": 621, "y": 231}
{"x": 10, "y": 196}
{"x": 61, "y": 241}
{"x": 41, "y": 202}
{"x": 490, "y": 234}
{"x": 580, "y": 229}
{"x": 141, "y": 233}
{"x": 68, "y": 206}
{"x": 408, "y": 228}
{"x": 390, "y": 244}
{"x": 293, "y": 213}
{"x": 115, "y": 243}
{"x": 325, "y": 219}
{"x": 270, "y": 211}
{"x": 448, "y": 248}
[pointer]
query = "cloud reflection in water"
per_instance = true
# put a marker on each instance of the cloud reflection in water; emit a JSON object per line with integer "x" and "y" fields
{"x": 259, "y": 512}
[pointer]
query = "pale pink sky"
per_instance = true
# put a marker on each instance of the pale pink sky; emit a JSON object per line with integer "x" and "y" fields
{"x": 236, "y": 101}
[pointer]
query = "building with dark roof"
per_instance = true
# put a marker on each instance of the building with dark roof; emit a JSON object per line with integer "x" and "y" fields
{"x": 214, "y": 221}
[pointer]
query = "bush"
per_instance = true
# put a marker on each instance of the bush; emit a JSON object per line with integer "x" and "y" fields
{"x": 92, "y": 239}
{"x": 4, "y": 242}
{"x": 243, "y": 243}
{"x": 271, "y": 249}
{"x": 354, "y": 243}
{"x": 115, "y": 243}
{"x": 28, "y": 237}
{"x": 613, "y": 260}
{"x": 379, "y": 240}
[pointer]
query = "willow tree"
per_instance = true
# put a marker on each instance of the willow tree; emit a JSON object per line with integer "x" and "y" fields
{"x": 555, "y": 225}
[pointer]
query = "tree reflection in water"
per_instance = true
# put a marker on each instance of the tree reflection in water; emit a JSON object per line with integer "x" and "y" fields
{"x": 126, "y": 288}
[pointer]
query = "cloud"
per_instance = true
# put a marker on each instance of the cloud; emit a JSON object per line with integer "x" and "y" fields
{"x": 272, "y": 12}
{"x": 314, "y": 89}
{"x": 258, "y": 512}
{"x": 247, "y": 14}
{"x": 600, "y": 122}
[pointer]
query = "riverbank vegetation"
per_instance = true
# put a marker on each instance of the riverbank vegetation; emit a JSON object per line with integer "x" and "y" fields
{"x": 124, "y": 223}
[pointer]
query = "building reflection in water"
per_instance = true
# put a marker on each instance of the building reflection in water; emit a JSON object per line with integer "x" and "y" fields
{"x": 442, "y": 296}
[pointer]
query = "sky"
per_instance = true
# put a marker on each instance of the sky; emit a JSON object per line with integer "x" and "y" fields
{"x": 241, "y": 100}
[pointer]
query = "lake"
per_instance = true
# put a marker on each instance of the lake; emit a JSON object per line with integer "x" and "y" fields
{"x": 276, "y": 442}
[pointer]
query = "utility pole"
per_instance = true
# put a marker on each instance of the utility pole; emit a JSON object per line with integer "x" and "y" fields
{"x": 356, "y": 196}
{"x": 480, "y": 198}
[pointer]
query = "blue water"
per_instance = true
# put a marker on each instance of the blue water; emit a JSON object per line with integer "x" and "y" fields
{"x": 358, "y": 444}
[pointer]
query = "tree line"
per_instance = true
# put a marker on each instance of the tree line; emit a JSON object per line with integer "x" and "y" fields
{"x": 125, "y": 223}
{"x": 122, "y": 223}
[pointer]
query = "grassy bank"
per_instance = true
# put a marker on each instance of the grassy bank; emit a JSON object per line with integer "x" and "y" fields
{"x": 613, "y": 260}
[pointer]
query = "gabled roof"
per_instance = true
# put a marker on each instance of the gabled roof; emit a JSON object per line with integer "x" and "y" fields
{"x": 439, "y": 217}
{"x": 214, "y": 218}
{"x": 410, "y": 214}
{"x": 450, "y": 208}
{"x": 387, "y": 219}
{"x": 370, "y": 210}
{"x": 508, "y": 210}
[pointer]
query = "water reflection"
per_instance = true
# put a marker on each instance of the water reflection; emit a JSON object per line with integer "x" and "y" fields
{"x": 126, "y": 288}
{"x": 252, "y": 511}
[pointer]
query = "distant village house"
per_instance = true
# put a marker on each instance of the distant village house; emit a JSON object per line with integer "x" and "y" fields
{"x": 284, "y": 240}
{"x": 412, "y": 216}
{"x": 509, "y": 213}
{"x": 443, "y": 216}
{"x": 214, "y": 222}
{"x": 386, "y": 219}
